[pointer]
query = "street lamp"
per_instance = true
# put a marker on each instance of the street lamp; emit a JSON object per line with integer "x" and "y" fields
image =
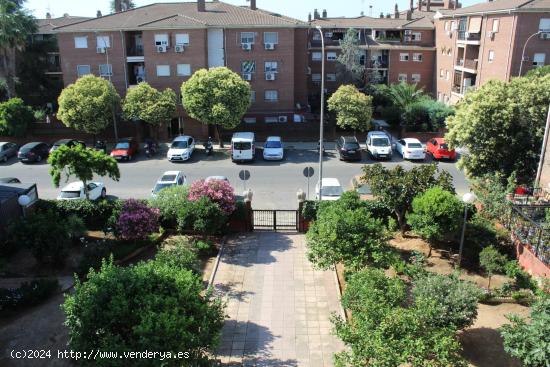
{"x": 523, "y": 53}
{"x": 322, "y": 111}
{"x": 468, "y": 198}
{"x": 109, "y": 71}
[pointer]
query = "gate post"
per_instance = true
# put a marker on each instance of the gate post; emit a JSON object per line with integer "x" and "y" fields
{"x": 301, "y": 196}
{"x": 275, "y": 220}
{"x": 247, "y": 194}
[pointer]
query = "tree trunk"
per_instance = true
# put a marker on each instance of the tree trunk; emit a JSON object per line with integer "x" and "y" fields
{"x": 218, "y": 135}
{"x": 86, "y": 190}
{"x": 430, "y": 249}
{"x": 489, "y": 285}
{"x": 401, "y": 221}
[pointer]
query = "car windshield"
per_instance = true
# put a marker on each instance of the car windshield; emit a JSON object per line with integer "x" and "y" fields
{"x": 415, "y": 145}
{"x": 70, "y": 194}
{"x": 444, "y": 146}
{"x": 241, "y": 145}
{"x": 161, "y": 186}
{"x": 273, "y": 144}
{"x": 352, "y": 145}
{"x": 331, "y": 191}
{"x": 169, "y": 178}
{"x": 26, "y": 149}
{"x": 380, "y": 142}
{"x": 122, "y": 145}
{"x": 180, "y": 144}
{"x": 364, "y": 190}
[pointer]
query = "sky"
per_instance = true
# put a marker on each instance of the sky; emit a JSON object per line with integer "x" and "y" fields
{"x": 294, "y": 8}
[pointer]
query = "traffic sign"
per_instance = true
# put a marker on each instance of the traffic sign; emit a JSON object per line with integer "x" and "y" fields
{"x": 244, "y": 175}
{"x": 308, "y": 172}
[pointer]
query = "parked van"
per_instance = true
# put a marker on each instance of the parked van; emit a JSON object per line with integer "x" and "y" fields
{"x": 379, "y": 145}
{"x": 243, "y": 147}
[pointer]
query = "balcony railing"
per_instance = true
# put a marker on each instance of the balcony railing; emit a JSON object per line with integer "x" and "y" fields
{"x": 467, "y": 63}
{"x": 377, "y": 64}
{"x": 136, "y": 50}
{"x": 467, "y": 36}
{"x": 463, "y": 90}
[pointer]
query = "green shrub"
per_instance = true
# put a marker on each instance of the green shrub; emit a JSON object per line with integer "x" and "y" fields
{"x": 178, "y": 253}
{"x": 309, "y": 209}
{"x": 92, "y": 256}
{"x": 95, "y": 214}
{"x": 15, "y": 117}
{"x": 521, "y": 278}
{"x": 426, "y": 115}
{"x": 240, "y": 211}
{"x": 28, "y": 294}
{"x": 75, "y": 227}
{"x": 202, "y": 216}
{"x": 170, "y": 201}
{"x": 492, "y": 261}
{"x": 204, "y": 248}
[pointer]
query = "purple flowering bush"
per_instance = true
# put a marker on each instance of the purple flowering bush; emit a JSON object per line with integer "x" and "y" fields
{"x": 218, "y": 191}
{"x": 137, "y": 220}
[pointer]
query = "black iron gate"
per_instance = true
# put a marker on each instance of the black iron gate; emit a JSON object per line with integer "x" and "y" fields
{"x": 274, "y": 220}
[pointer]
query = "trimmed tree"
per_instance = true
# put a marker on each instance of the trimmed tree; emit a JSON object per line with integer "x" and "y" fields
{"x": 82, "y": 163}
{"x": 492, "y": 261}
{"x": 353, "y": 109}
{"x": 88, "y": 105}
{"x": 217, "y": 96}
{"x": 15, "y": 117}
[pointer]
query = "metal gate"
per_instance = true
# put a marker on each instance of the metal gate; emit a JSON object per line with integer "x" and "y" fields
{"x": 273, "y": 220}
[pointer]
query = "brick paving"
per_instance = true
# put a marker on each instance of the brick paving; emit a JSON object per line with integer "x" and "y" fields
{"x": 278, "y": 306}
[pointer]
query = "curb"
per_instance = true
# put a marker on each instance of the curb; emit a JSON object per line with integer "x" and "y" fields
{"x": 217, "y": 263}
{"x": 339, "y": 291}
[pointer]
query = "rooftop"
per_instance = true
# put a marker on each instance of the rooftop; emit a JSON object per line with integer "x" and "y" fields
{"x": 376, "y": 23}
{"x": 46, "y": 26}
{"x": 498, "y": 6}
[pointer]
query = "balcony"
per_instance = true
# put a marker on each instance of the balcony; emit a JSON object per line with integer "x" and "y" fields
{"x": 470, "y": 38}
{"x": 377, "y": 64}
{"x": 462, "y": 90}
{"x": 135, "y": 50}
{"x": 467, "y": 64}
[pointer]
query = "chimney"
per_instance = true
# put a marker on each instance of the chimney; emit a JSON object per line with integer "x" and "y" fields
{"x": 48, "y": 16}
{"x": 428, "y": 5}
{"x": 381, "y": 15}
{"x": 309, "y": 17}
{"x": 396, "y": 12}
{"x": 362, "y": 13}
{"x": 66, "y": 15}
{"x": 201, "y": 6}
{"x": 420, "y": 5}
{"x": 325, "y": 13}
{"x": 316, "y": 14}
{"x": 388, "y": 15}
{"x": 409, "y": 14}
{"x": 118, "y": 6}
{"x": 98, "y": 14}
{"x": 412, "y": 5}
{"x": 253, "y": 5}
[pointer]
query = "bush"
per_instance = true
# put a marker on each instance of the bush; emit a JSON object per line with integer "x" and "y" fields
{"x": 178, "y": 253}
{"x": 15, "y": 117}
{"x": 309, "y": 209}
{"x": 28, "y": 294}
{"x": 202, "y": 216}
{"x": 148, "y": 306}
{"x": 426, "y": 115}
{"x": 204, "y": 248}
{"x": 169, "y": 201}
{"x": 92, "y": 256}
{"x": 137, "y": 221}
{"x": 491, "y": 191}
{"x": 521, "y": 278}
{"x": 95, "y": 214}
{"x": 218, "y": 191}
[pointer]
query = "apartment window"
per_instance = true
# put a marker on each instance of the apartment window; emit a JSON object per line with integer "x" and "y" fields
{"x": 163, "y": 70}
{"x": 247, "y": 37}
{"x": 81, "y": 42}
{"x": 439, "y": 97}
{"x": 271, "y": 37}
{"x": 441, "y": 73}
{"x": 182, "y": 39}
{"x": 448, "y": 75}
{"x": 270, "y": 67}
{"x": 252, "y": 96}
{"x": 331, "y": 77}
{"x": 328, "y": 34}
{"x": 417, "y": 57}
{"x": 82, "y": 70}
{"x": 538, "y": 59}
{"x": 316, "y": 56}
{"x": 105, "y": 69}
{"x": 248, "y": 66}
{"x": 415, "y": 78}
{"x": 416, "y": 36}
{"x": 332, "y": 56}
{"x": 271, "y": 95}
{"x": 447, "y": 25}
{"x": 103, "y": 41}
{"x": 183, "y": 69}
{"x": 544, "y": 25}
{"x": 316, "y": 77}
{"x": 271, "y": 119}
{"x": 249, "y": 120}
{"x": 403, "y": 57}
{"x": 161, "y": 39}
{"x": 491, "y": 55}
{"x": 496, "y": 24}
{"x": 316, "y": 36}
{"x": 402, "y": 78}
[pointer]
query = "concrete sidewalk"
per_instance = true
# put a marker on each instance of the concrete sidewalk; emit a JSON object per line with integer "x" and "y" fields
{"x": 278, "y": 306}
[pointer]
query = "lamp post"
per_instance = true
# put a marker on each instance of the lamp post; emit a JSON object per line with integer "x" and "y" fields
{"x": 523, "y": 52}
{"x": 321, "y": 127}
{"x": 468, "y": 198}
{"x": 110, "y": 71}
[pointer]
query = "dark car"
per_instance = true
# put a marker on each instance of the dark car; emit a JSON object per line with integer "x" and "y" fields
{"x": 348, "y": 148}
{"x": 33, "y": 152}
{"x": 7, "y": 150}
{"x": 9, "y": 180}
{"x": 68, "y": 142}
{"x": 125, "y": 149}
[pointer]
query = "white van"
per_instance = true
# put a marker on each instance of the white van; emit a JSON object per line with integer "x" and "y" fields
{"x": 243, "y": 147}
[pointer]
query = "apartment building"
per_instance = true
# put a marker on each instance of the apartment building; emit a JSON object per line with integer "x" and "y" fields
{"x": 486, "y": 41}
{"x": 165, "y": 43}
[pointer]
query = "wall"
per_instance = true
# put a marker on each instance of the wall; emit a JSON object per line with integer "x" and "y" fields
{"x": 528, "y": 24}
{"x": 444, "y": 61}
{"x": 424, "y": 68}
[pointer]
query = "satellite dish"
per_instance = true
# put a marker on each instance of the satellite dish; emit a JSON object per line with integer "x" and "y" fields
{"x": 24, "y": 200}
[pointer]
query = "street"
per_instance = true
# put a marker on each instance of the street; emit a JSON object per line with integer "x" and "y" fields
{"x": 274, "y": 184}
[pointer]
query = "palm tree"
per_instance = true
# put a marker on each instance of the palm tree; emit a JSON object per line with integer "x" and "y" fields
{"x": 403, "y": 94}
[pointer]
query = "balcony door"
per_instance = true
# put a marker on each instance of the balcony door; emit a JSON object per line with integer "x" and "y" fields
{"x": 215, "y": 48}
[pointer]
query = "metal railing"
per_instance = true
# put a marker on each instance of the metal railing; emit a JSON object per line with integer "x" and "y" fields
{"x": 467, "y": 63}
{"x": 523, "y": 226}
{"x": 467, "y": 36}
{"x": 275, "y": 219}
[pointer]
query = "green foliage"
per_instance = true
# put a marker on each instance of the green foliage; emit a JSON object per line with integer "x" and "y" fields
{"x": 15, "y": 117}
{"x": 402, "y": 95}
{"x": 502, "y": 126}
{"x": 492, "y": 261}
{"x": 538, "y": 72}
{"x": 491, "y": 191}
{"x": 88, "y": 104}
{"x": 204, "y": 248}
{"x": 349, "y": 68}
{"x": 148, "y": 104}
{"x": 95, "y": 214}
{"x": 83, "y": 163}
{"x": 395, "y": 188}
{"x": 521, "y": 278}
{"x": 92, "y": 256}
{"x": 426, "y": 115}
{"x": 169, "y": 201}
{"x": 309, "y": 209}
{"x": 128, "y": 3}
{"x": 28, "y": 294}
{"x": 353, "y": 109}
{"x": 177, "y": 252}
{"x": 149, "y": 306}
{"x": 202, "y": 216}
{"x": 530, "y": 341}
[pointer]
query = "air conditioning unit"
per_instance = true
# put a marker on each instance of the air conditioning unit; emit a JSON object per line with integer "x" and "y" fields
{"x": 450, "y": 33}
{"x": 490, "y": 34}
{"x": 179, "y": 49}
{"x": 161, "y": 48}
{"x": 247, "y": 76}
{"x": 467, "y": 35}
{"x": 282, "y": 119}
{"x": 246, "y": 46}
{"x": 545, "y": 36}
{"x": 269, "y": 46}
{"x": 101, "y": 50}
{"x": 270, "y": 76}
{"x": 525, "y": 58}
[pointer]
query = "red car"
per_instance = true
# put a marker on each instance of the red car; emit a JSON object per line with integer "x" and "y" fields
{"x": 439, "y": 149}
{"x": 125, "y": 149}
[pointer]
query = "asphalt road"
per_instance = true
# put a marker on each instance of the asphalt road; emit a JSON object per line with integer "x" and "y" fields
{"x": 274, "y": 184}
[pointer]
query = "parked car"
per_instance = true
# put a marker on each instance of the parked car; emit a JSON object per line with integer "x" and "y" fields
{"x": 330, "y": 189}
{"x": 410, "y": 148}
{"x": 216, "y": 178}
{"x": 348, "y": 148}
{"x": 274, "y": 149}
{"x": 243, "y": 147}
{"x": 33, "y": 152}
{"x": 439, "y": 149}
{"x": 125, "y": 149}
{"x": 362, "y": 188}
{"x": 9, "y": 180}
{"x": 75, "y": 190}
{"x": 7, "y": 150}
{"x": 378, "y": 145}
{"x": 68, "y": 142}
{"x": 181, "y": 148}
{"x": 169, "y": 179}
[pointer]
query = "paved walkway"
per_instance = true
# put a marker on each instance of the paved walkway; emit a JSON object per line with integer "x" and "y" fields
{"x": 278, "y": 306}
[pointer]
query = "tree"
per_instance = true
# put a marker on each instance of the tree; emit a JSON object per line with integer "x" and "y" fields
{"x": 169, "y": 201}
{"x": 349, "y": 68}
{"x": 538, "y": 72}
{"x": 15, "y": 117}
{"x": 491, "y": 190}
{"x": 435, "y": 214}
{"x": 530, "y": 341}
{"x": 148, "y": 104}
{"x": 502, "y": 125}
{"x": 217, "y": 96}
{"x": 16, "y": 25}
{"x": 403, "y": 94}
{"x": 126, "y": 5}
{"x": 426, "y": 115}
{"x": 82, "y": 163}
{"x": 88, "y": 105}
{"x": 353, "y": 109}
{"x": 492, "y": 261}
{"x": 148, "y": 306}
{"x": 396, "y": 188}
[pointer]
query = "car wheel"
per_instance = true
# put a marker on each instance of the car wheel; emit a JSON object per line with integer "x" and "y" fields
{"x": 103, "y": 193}
{"x": 38, "y": 158}
{"x": 5, "y": 159}
{"x": 130, "y": 158}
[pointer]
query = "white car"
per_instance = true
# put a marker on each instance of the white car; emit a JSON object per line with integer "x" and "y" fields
{"x": 216, "y": 178}
{"x": 274, "y": 149}
{"x": 169, "y": 179}
{"x": 181, "y": 148}
{"x": 410, "y": 148}
{"x": 75, "y": 190}
{"x": 330, "y": 189}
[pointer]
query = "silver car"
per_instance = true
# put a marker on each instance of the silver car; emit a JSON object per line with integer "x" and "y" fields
{"x": 7, "y": 150}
